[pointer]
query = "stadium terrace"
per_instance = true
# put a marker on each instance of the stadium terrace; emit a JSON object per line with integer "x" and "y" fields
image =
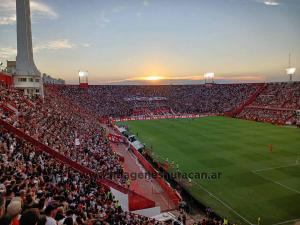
{"x": 202, "y": 154}
{"x": 66, "y": 123}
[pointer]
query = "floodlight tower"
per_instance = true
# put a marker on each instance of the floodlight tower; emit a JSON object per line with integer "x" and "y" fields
{"x": 290, "y": 71}
{"x": 83, "y": 79}
{"x": 209, "y": 77}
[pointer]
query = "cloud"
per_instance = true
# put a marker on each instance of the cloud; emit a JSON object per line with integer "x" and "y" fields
{"x": 6, "y": 20}
{"x": 7, "y": 12}
{"x": 39, "y": 10}
{"x": 8, "y": 52}
{"x": 42, "y": 9}
{"x": 167, "y": 80}
{"x": 271, "y": 3}
{"x": 198, "y": 77}
{"x": 60, "y": 44}
{"x": 54, "y": 45}
{"x": 226, "y": 77}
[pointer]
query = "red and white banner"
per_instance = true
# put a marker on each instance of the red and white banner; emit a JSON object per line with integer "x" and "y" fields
{"x": 116, "y": 138}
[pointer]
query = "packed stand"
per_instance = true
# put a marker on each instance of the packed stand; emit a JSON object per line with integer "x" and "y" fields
{"x": 36, "y": 189}
{"x": 277, "y": 104}
{"x": 65, "y": 128}
{"x": 113, "y": 100}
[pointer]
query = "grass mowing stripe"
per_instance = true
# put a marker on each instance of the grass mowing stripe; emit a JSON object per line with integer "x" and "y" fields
{"x": 237, "y": 148}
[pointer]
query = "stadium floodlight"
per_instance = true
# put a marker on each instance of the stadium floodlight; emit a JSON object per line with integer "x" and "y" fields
{"x": 209, "y": 75}
{"x": 290, "y": 71}
{"x": 83, "y": 78}
{"x": 82, "y": 73}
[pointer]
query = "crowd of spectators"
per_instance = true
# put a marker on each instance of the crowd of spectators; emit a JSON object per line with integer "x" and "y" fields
{"x": 277, "y": 104}
{"x": 112, "y": 100}
{"x": 42, "y": 188}
{"x": 280, "y": 95}
{"x": 36, "y": 189}
{"x": 65, "y": 128}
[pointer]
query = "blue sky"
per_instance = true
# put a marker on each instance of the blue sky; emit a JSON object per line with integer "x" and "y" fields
{"x": 119, "y": 40}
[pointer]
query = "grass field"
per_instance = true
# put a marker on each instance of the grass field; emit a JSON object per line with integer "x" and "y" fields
{"x": 254, "y": 182}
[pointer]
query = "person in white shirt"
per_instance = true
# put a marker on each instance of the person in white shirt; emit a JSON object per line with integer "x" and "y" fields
{"x": 50, "y": 213}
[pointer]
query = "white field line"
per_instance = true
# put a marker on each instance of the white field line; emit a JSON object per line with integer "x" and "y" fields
{"x": 223, "y": 203}
{"x": 287, "y": 221}
{"x": 274, "y": 168}
{"x": 276, "y": 182}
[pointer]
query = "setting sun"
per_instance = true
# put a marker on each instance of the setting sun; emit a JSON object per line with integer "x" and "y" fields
{"x": 154, "y": 77}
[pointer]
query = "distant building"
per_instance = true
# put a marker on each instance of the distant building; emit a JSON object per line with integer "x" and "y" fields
{"x": 47, "y": 79}
{"x": 11, "y": 67}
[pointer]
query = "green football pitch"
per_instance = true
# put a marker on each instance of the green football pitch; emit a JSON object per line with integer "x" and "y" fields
{"x": 254, "y": 182}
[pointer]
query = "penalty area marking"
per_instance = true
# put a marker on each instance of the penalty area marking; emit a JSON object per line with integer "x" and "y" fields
{"x": 282, "y": 185}
{"x": 223, "y": 203}
{"x": 276, "y": 182}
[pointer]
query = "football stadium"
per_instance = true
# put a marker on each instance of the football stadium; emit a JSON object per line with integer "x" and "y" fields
{"x": 163, "y": 146}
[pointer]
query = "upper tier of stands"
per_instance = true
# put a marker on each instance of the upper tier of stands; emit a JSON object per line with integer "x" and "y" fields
{"x": 276, "y": 104}
{"x": 118, "y": 101}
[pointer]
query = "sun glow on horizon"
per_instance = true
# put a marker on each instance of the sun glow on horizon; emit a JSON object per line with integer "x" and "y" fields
{"x": 154, "y": 78}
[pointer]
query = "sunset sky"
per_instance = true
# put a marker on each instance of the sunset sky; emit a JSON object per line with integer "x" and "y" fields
{"x": 125, "y": 40}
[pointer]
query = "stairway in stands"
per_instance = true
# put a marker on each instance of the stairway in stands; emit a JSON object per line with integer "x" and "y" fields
{"x": 252, "y": 98}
